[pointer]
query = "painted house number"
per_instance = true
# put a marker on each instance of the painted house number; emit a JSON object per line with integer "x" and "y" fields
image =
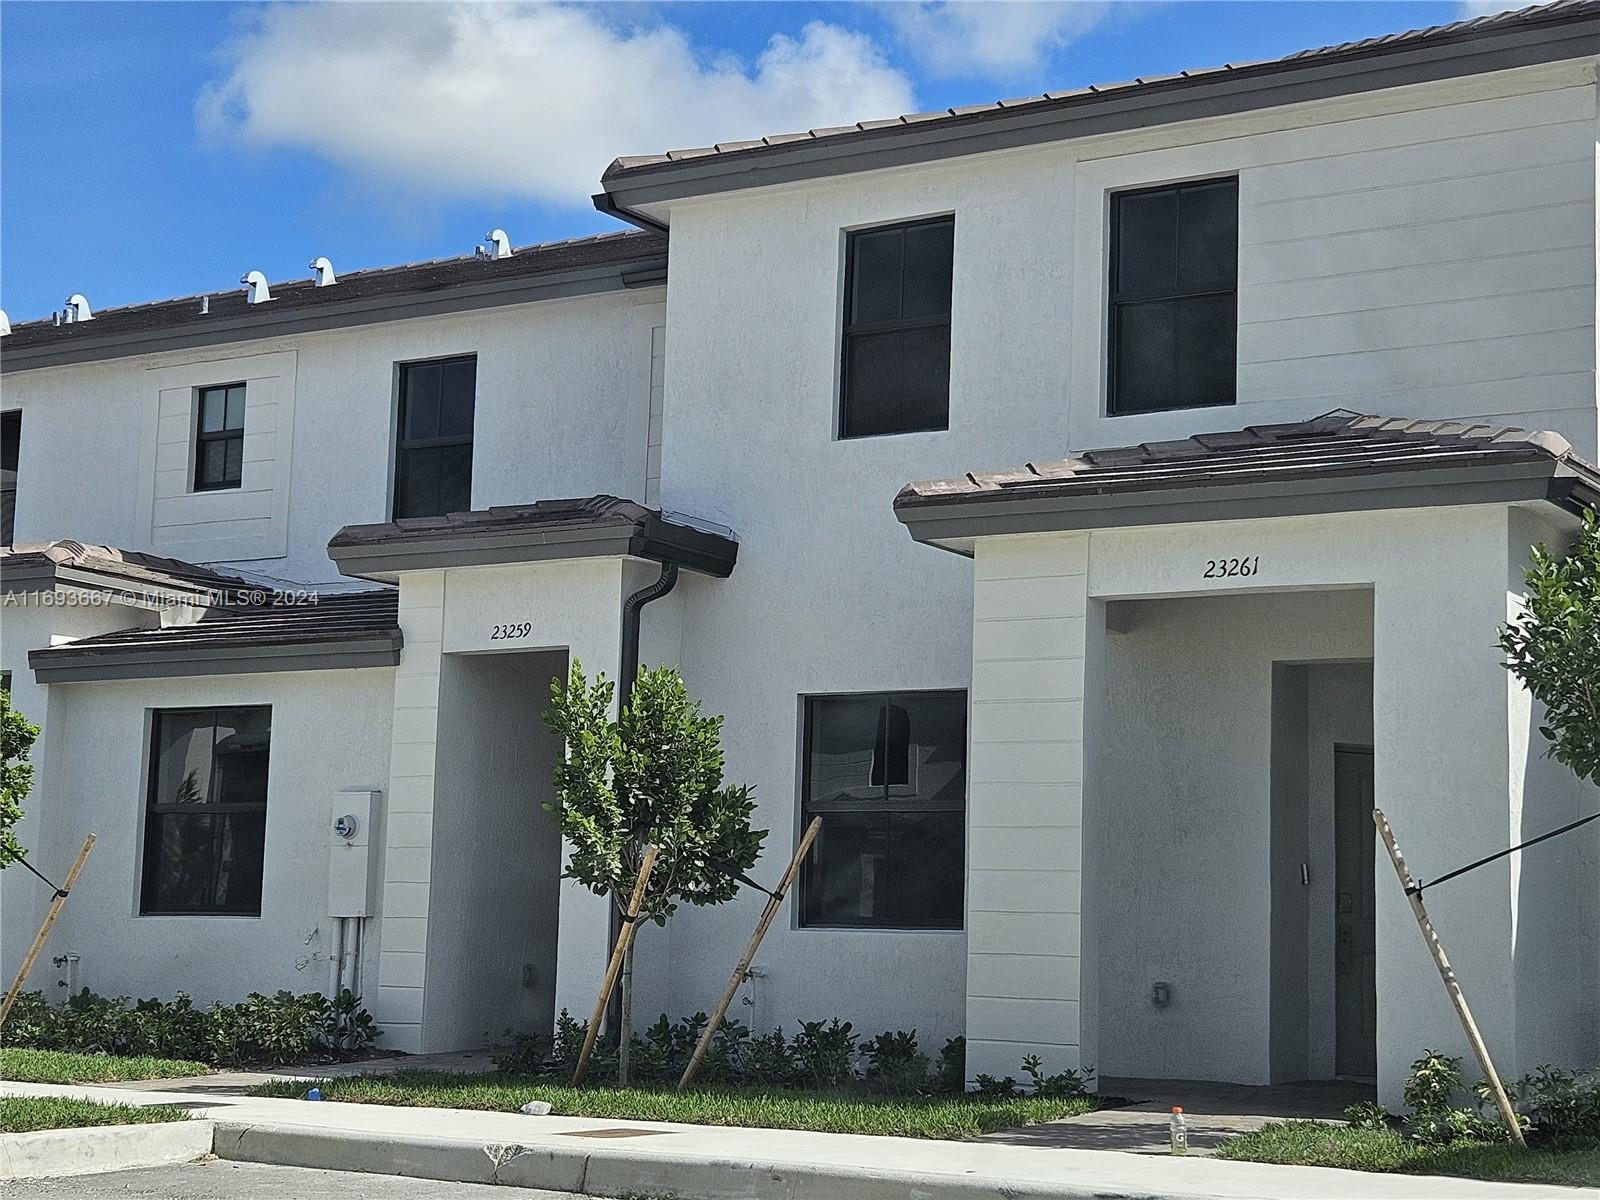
{"x": 505, "y": 633}
{"x": 1232, "y": 568}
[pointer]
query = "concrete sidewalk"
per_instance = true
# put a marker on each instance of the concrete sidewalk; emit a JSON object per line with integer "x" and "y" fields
{"x": 697, "y": 1162}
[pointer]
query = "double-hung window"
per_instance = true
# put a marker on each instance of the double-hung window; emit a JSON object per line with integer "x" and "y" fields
{"x": 206, "y": 817}
{"x": 219, "y": 438}
{"x": 887, "y": 775}
{"x": 895, "y": 376}
{"x": 433, "y": 454}
{"x": 1174, "y": 297}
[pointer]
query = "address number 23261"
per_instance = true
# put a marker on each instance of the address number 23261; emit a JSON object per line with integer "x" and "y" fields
{"x": 1232, "y": 568}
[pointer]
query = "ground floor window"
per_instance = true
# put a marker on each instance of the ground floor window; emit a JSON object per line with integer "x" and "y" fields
{"x": 205, "y": 828}
{"x": 887, "y": 773}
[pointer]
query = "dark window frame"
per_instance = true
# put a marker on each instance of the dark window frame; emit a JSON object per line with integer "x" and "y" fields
{"x": 204, "y": 439}
{"x": 404, "y": 445}
{"x": 1116, "y": 301}
{"x": 850, "y": 330}
{"x": 150, "y": 850}
{"x": 892, "y": 803}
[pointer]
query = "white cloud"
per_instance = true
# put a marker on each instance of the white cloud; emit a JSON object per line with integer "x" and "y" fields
{"x": 1482, "y": 8}
{"x": 525, "y": 100}
{"x": 994, "y": 39}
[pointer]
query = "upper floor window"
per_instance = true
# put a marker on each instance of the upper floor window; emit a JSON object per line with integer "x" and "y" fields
{"x": 206, "y": 822}
{"x": 896, "y": 370}
{"x": 10, "y": 447}
{"x": 433, "y": 454}
{"x": 887, "y": 774}
{"x": 1174, "y": 297}
{"x": 219, "y": 438}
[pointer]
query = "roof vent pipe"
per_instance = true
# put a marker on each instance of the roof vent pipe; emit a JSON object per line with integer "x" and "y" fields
{"x": 324, "y": 270}
{"x": 499, "y": 243}
{"x": 77, "y": 308}
{"x": 5, "y": 323}
{"x": 257, "y": 283}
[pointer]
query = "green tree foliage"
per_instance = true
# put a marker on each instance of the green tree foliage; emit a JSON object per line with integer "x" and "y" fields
{"x": 1553, "y": 647}
{"x": 654, "y": 777}
{"x": 17, "y": 735}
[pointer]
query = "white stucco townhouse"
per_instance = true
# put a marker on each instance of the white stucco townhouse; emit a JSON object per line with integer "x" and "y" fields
{"x": 1095, "y": 734}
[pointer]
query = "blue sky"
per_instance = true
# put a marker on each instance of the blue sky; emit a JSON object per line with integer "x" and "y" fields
{"x": 150, "y": 150}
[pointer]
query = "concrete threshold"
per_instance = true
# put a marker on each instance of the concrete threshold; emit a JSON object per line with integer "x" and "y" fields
{"x": 701, "y": 1162}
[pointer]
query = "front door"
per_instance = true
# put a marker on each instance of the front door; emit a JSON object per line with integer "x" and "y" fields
{"x": 1355, "y": 944}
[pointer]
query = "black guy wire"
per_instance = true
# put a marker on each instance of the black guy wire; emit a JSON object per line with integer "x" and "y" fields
{"x": 47, "y": 883}
{"x": 1473, "y": 866}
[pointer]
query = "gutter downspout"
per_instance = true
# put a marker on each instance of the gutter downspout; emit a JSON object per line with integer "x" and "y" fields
{"x": 627, "y": 670}
{"x": 629, "y": 665}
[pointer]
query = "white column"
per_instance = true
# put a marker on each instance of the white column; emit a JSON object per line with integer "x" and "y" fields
{"x": 1025, "y": 803}
{"x": 1442, "y": 728}
{"x": 408, "y": 815}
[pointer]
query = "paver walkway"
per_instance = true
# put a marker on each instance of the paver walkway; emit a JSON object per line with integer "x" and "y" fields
{"x": 1214, "y": 1112}
{"x": 237, "y": 1083}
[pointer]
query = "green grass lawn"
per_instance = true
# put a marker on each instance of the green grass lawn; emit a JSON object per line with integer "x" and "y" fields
{"x": 1309, "y": 1143}
{"x": 910, "y": 1116}
{"x": 58, "y": 1066}
{"x": 24, "y": 1114}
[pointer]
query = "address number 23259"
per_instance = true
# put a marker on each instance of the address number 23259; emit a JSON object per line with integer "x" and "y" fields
{"x": 1232, "y": 568}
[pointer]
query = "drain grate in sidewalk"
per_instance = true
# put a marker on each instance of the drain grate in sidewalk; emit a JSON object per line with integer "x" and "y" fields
{"x": 614, "y": 1133}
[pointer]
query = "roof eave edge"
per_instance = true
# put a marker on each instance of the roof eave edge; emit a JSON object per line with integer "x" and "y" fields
{"x": 960, "y": 518}
{"x": 1182, "y": 99}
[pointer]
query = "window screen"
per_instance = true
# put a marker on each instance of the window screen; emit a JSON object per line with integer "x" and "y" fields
{"x": 205, "y": 828}
{"x": 433, "y": 457}
{"x": 1174, "y": 297}
{"x": 887, "y": 774}
{"x": 896, "y": 370}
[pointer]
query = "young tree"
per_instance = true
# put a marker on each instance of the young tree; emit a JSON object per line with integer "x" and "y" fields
{"x": 652, "y": 777}
{"x": 1553, "y": 646}
{"x": 17, "y": 736}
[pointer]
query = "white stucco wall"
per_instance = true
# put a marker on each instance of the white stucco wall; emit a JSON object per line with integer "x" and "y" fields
{"x": 330, "y": 731}
{"x": 26, "y": 623}
{"x": 563, "y": 409}
{"x": 1454, "y": 773}
{"x": 1181, "y": 820}
{"x": 1391, "y": 258}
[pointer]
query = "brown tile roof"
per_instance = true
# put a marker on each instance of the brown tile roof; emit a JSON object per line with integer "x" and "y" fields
{"x": 1563, "y": 11}
{"x": 1336, "y": 444}
{"x": 37, "y": 564}
{"x": 524, "y": 532}
{"x": 302, "y": 296}
{"x": 334, "y": 629}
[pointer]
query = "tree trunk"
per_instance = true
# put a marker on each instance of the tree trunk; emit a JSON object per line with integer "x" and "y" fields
{"x": 625, "y": 1033}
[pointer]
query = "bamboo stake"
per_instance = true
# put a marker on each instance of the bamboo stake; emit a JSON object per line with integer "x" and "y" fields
{"x": 1452, "y": 986}
{"x": 44, "y": 929}
{"x": 774, "y": 902}
{"x": 624, "y": 940}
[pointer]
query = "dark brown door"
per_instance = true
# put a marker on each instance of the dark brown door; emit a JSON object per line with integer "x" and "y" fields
{"x": 1355, "y": 945}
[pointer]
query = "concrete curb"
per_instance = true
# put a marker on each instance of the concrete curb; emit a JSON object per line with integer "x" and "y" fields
{"x": 614, "y": 1172}
{"x": 49, "y": 1153}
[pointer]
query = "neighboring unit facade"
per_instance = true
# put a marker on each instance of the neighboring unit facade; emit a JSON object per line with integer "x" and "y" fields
{"x": 1102, "y": 792}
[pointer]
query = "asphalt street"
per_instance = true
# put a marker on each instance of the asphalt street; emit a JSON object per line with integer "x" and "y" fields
{"x": 218, "y": 1180}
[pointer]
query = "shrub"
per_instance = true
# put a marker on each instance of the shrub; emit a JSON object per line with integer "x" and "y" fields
{"x": 1434, "y": 1118}
{"x": 823, "y": 1053}
{"x": 1556, "y": 1105}
{"x": 262, "y": 1030}
{"x": 1366, "y": 1115}
{"x": 1055, "y": 1087}
{"x": 821, "y": 1056}
{"x": 894, "y": 1063}
{"x": 952, "y": 1068}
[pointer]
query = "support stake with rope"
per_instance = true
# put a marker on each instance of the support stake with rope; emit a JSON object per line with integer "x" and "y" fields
{"x": 1452, "y": 986}
{"x": 59, "y": 899}
{"x": 774, "y": 902}
{"x": 630, "y": 926}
